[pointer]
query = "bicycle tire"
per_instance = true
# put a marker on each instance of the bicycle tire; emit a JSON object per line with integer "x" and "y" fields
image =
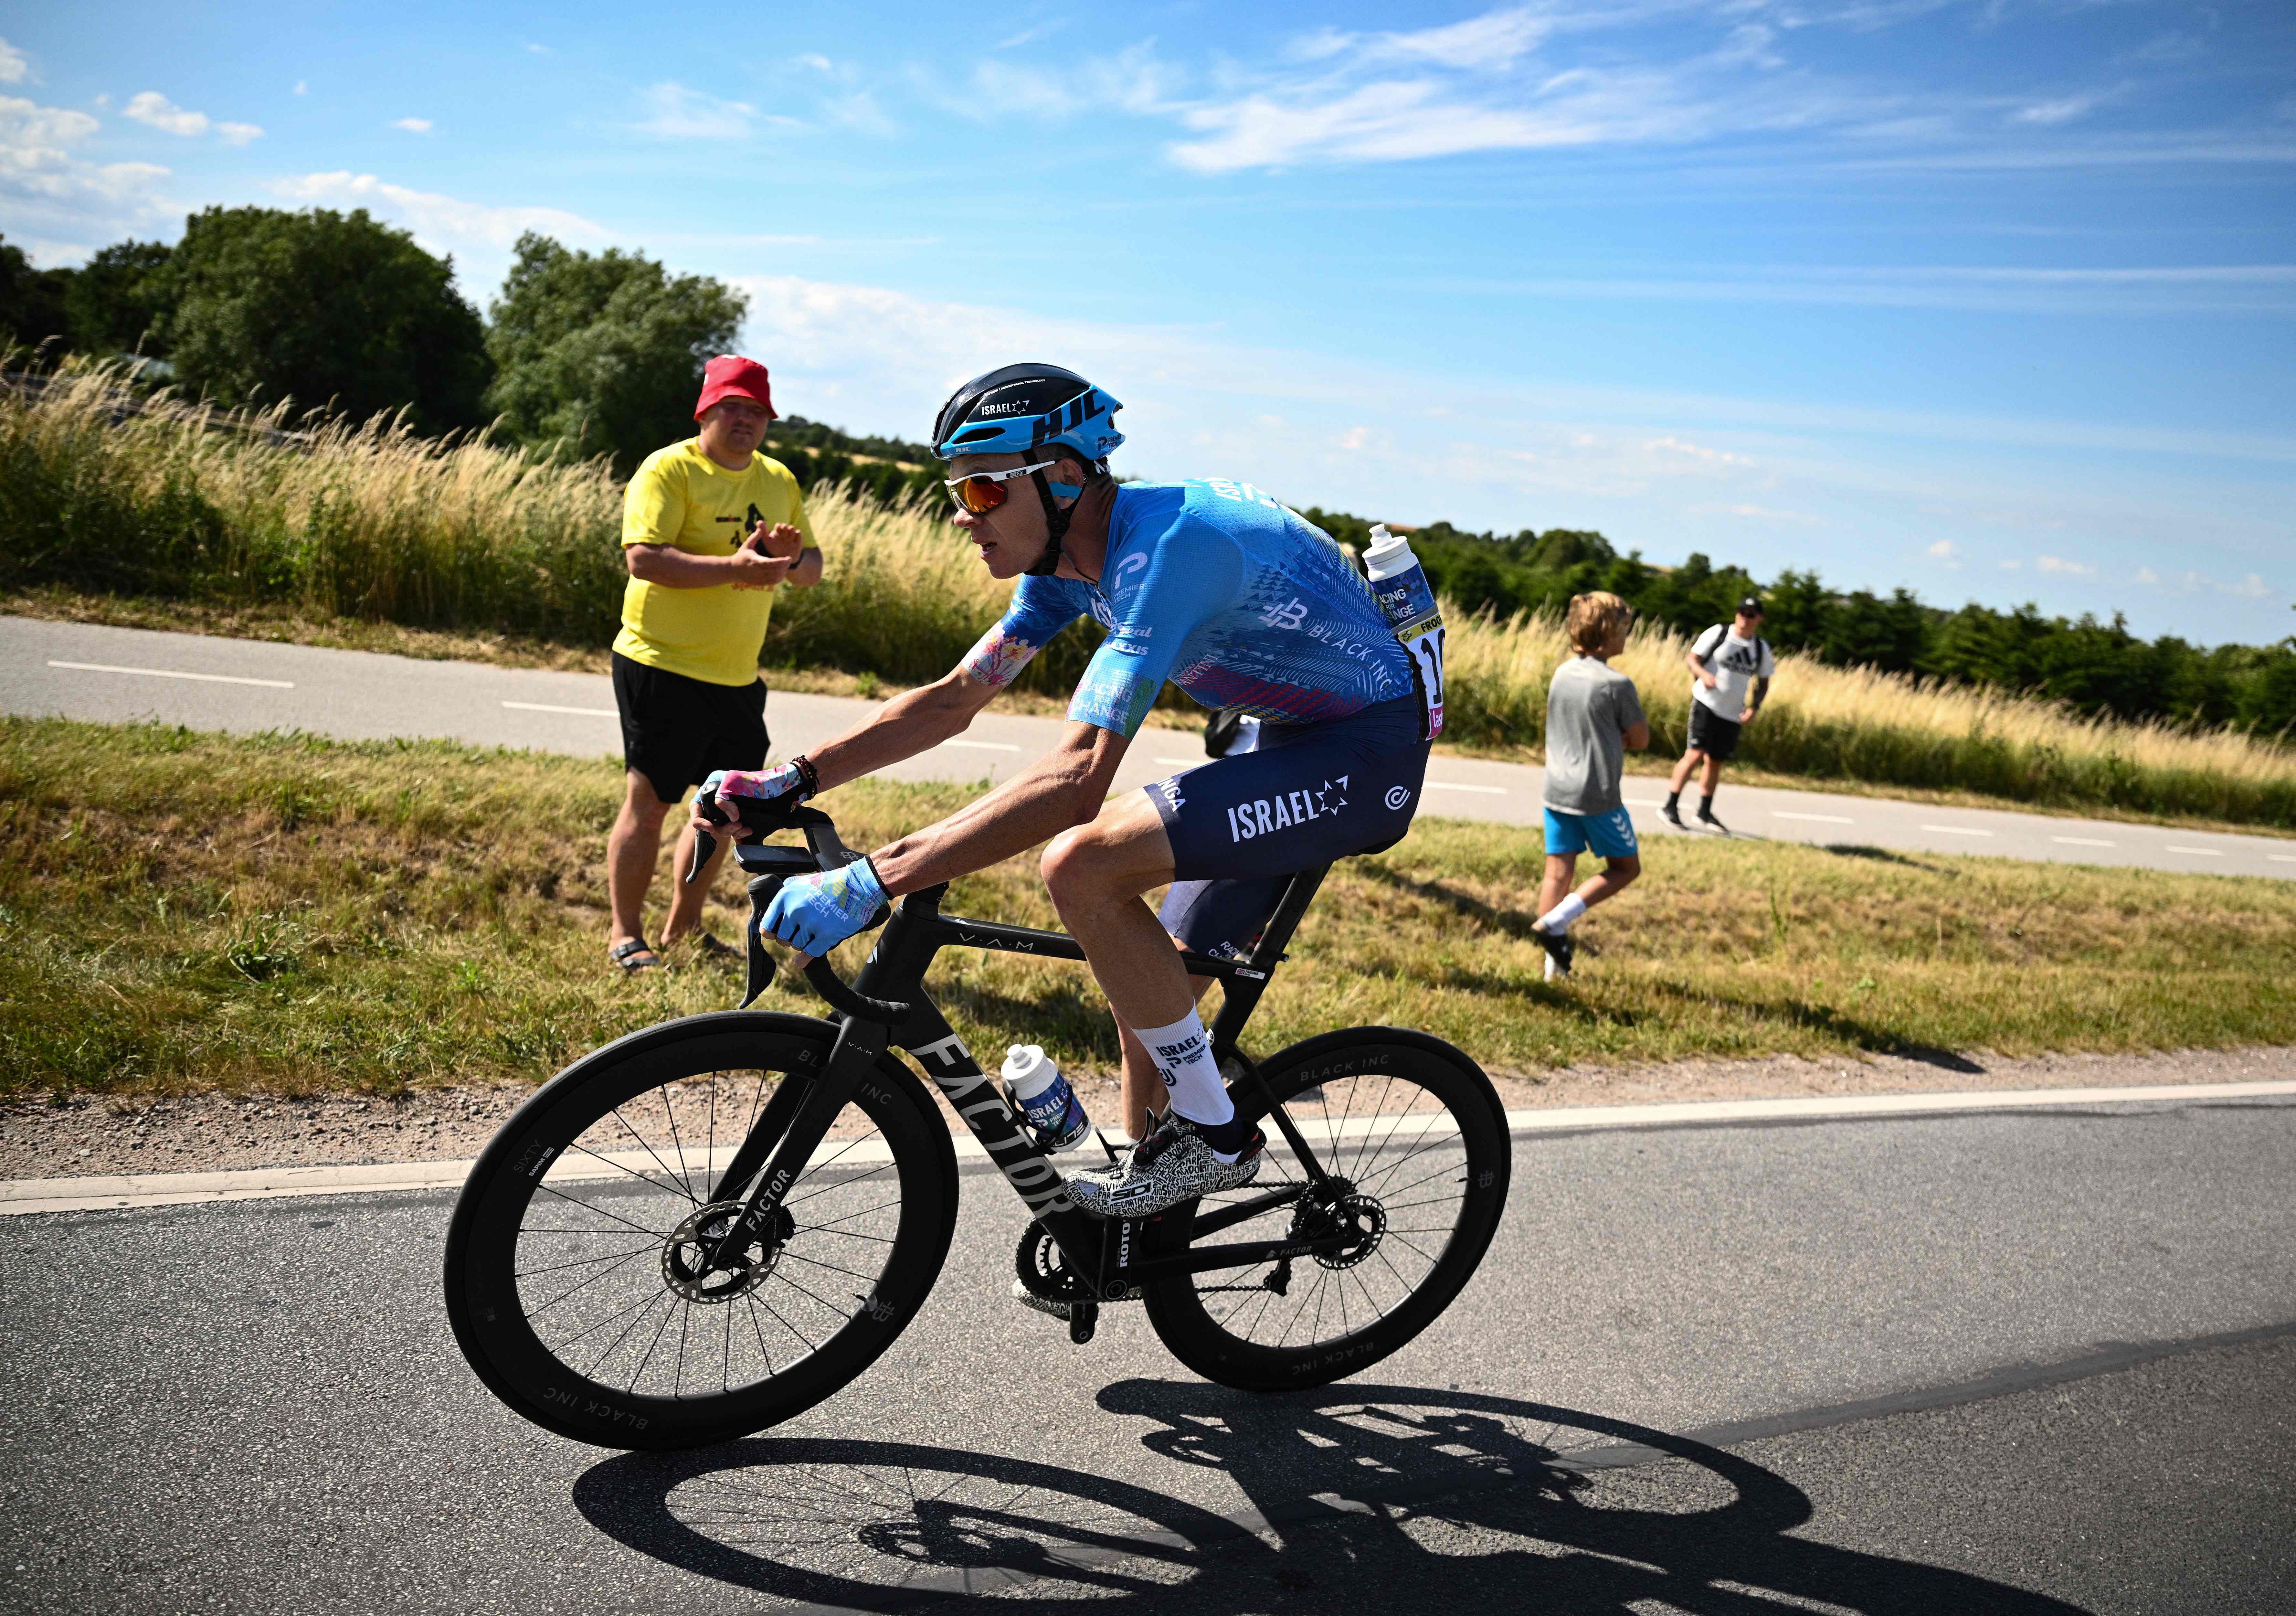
{"x": 564, "y": 1312}
{"x": 1418, "y": 1118}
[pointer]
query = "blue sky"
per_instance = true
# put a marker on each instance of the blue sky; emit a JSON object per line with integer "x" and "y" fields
{"x": 1993, "y": 298}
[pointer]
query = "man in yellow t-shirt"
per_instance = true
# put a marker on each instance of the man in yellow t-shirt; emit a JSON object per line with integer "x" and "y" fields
{"x": 711, "y": 527}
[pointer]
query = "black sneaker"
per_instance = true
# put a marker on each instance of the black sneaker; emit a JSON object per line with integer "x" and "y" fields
{"x": 1706, "y": 818}
{"x": 1672, "y": 815}
{"x": 1559, "y": 950}
{"x": 1173, "y": 1163}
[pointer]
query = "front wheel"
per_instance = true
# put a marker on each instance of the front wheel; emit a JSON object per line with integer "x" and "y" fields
{"x": 574, "y": 1274}
{"x": 1414, "y": 1144}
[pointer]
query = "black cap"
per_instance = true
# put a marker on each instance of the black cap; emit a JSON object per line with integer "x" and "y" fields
{"x": 1753, "y": 603}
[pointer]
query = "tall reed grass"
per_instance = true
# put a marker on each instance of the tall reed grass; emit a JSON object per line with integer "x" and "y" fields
{"x": 371, "y": 521}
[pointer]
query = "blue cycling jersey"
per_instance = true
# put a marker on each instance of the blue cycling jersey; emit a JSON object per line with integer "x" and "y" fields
{"x": 1220, "y": 589}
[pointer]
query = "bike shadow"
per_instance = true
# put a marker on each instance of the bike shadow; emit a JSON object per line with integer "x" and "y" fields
{"x": 1360, "y": 1496}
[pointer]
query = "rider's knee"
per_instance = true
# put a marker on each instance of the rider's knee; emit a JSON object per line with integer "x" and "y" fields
{"x": 1071, "y": 860}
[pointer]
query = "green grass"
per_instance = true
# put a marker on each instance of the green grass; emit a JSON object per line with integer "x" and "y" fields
{"x": 185, "y": 911}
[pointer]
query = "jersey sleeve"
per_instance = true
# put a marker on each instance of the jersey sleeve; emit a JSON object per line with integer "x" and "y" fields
{"x": 653, "y": 506}
{"x": 1041, "y": 608}
{"x": 1194, "y": 572}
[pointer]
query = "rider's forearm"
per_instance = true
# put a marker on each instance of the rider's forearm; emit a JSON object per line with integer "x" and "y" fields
{"x": 915, "y": 721}
{"x": 1062, "y": 789}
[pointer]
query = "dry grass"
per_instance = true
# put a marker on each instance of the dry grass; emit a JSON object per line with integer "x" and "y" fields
{"x": 483, "y": 545}
{"x": 186, "y": 911}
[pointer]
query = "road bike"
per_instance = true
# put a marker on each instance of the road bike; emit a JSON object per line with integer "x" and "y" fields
{"x": 709, "y": 1225}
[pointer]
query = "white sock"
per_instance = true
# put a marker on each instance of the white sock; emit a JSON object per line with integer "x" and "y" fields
{"x": 1183, "y": 1054}
{"x": 1558, "y": 919}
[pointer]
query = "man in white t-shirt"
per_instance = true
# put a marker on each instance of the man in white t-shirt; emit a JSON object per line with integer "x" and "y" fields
{"x": 1734, "y": 667}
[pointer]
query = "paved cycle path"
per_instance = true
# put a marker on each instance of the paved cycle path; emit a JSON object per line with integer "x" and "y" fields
{"x": 88, "y": 671}
{"x": 2024, "y": 1362}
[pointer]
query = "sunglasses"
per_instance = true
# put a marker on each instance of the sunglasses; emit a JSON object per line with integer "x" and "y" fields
{"x": 984, "y": 491}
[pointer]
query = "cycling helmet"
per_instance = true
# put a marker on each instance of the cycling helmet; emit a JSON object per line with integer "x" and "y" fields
{"x": 1020, "y": 409}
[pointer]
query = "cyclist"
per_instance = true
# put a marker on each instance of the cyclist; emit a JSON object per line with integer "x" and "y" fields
{"x": 1238, "y": 600}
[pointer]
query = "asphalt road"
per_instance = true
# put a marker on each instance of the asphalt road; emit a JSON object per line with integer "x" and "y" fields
{"x": 86, "y": 671}
{"x": 2018, "y": 1362}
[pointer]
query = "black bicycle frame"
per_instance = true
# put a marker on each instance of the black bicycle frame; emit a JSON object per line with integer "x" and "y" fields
{"x": 886, "y": 1004}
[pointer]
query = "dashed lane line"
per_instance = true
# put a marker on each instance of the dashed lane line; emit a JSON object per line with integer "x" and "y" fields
{"x": 2170, "y": 847}
{"x": 1818, "y": 818}
{"x": 171, "y": 673}
{"x": 580, "y": 712}
{"x": 2081, "y": 841}
{"x": 1956, "y": 830}
{"x": 984, "y": 746}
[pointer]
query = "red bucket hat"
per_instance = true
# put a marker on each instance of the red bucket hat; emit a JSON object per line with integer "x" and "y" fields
{"x": 731, "y": 376}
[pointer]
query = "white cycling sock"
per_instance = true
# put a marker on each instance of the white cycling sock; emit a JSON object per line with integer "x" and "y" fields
{"x": 1558, "y": 919}
{"x": 1183, "y": 1054}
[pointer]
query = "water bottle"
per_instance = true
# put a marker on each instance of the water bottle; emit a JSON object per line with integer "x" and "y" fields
{"x": 1054, "y": 1113}
{"x": 1407, "y": 597}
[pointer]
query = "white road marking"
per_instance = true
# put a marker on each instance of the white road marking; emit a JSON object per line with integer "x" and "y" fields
{"x": 1820, "y": 819}
{"x": 580, "y": 712}
{"x": 1954, "y": 829}
{"x": 2282, "y": 857}
{"x": 169, "y": 673}
{"x": 1461, "y": 785}
{"x": 1642, "y": 802}
{"x": 2170, "y": 847}
{"x": 984, "y": 746}
{"x": 2080, "y": 842}
{"x": 34, "y": 1195}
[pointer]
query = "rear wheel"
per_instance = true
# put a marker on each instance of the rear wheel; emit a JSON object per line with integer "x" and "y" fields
{"x": 1414, "y": 1144}
{"x": 575, "y": 1273}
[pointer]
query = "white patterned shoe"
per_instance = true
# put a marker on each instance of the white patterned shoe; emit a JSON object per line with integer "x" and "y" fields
{"x": 1172, "y": 1165}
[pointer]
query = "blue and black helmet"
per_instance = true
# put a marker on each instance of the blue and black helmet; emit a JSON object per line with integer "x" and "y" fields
{"x": 1020, "y": 409}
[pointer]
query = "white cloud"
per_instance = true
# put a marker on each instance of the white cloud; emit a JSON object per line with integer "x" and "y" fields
{"x": 861, "y": 112}
{"x": 1946, "y": 551}
{"x": 238, "y": 133}
{"x": 2145, "y": 575}
{"x": 13, "y": 67}
{"x": 2048, "y": 114}
{"x": 817, "y": 61}
{"x": 541, "y": 50}
{"x": 302, "y": 87}
{"x": 152, "y": 108}
{"x": 479, "y": 236}
{"x": 679, "y": 113}
{"x": 1491, "y": 43}
{"x": 2057, "y": 563}
{"x": 2253, "y": 587}
{"x": 1134, "y": 81}
{"x": 65, "y": 202}
{"x": 413, "y": 126}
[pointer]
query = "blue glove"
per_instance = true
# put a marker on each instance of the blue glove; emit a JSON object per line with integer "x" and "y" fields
{"x": 766, "y": 784}
{"x": 813, "y": 914}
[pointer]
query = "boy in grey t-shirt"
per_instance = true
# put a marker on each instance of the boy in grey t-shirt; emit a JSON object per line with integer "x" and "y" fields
{"x": 1594, "y": 718}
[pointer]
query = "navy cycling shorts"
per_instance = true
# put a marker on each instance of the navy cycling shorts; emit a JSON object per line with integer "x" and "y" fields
{"x": 1240, "y": 826}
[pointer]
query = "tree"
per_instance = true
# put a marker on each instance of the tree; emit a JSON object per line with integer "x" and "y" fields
{"x": 603, "y": 353}
{"x": 323, "y": 307}
{"x": 31, "y": 300}
{"x": 116, "y": 298}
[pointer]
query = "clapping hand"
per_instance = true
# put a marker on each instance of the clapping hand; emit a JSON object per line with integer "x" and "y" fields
{"x": 764, "y": 558}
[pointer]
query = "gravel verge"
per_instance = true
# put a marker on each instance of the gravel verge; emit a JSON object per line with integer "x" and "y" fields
{"x": 83, "y": 1135}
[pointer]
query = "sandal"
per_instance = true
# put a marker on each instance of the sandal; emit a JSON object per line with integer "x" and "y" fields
{"x": 626, "y": 956}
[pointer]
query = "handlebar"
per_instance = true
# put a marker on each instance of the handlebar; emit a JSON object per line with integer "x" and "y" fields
{"x": 770, "y": 867}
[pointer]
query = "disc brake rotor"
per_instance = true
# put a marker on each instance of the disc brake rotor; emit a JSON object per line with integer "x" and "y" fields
{"x": 684, "y": 1261}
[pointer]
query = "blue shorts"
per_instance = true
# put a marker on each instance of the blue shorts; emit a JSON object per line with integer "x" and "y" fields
{"x": 1242, "y": 826}
{"x": 1611, "y": 835}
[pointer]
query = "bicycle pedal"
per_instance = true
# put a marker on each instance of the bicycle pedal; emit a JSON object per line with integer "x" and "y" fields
{"x": 1084, "y": 1319}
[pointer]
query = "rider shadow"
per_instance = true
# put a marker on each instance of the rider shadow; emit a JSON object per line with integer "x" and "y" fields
{"x": 1361, "y": 1497}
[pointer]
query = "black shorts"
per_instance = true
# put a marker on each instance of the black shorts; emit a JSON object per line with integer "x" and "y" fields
{"x": 675, "y": 730}
{"x": 1242, "y": 826}
{"x": 1713, "y": 733}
